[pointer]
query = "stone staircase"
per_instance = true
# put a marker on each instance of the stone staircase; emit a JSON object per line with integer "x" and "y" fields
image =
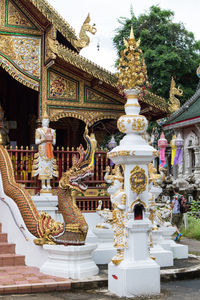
{"x": 7, "y": 252}
{"x": 17, "y": 278}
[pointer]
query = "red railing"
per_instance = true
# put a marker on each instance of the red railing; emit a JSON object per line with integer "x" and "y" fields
{"x": 22, "y": 160}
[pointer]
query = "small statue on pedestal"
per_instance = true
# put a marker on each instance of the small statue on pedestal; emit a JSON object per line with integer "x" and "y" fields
{"x": 44, "y": 163}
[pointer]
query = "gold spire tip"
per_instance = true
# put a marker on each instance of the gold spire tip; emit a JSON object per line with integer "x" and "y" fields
{"x": 132, "y": 37}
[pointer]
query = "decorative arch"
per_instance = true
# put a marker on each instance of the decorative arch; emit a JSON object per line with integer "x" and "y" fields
{"x": 138, "y": 201}
{"x": 87, "y": 117}
{"x": 17, "y": 75}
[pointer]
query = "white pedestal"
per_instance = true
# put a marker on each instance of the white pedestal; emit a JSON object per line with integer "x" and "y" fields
{"x": 137, "y": 275}
{"x": 70, "y": 261}
{"x": 164, "y": 257}
{"x": 141, "y": 278}
{"x": 48, "y": 203}
{"x": 179, "y": 251}
{"x": 105, "y": 249}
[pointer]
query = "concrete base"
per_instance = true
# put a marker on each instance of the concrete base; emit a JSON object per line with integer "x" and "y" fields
{"x": 163, "y": 257}
{"x": 179, "y": 251}
{"x": 70, "y": 261}
{"x": 104, "y": 253}
{"x": 105, "y": 249}
{"x": 139, "y": 278}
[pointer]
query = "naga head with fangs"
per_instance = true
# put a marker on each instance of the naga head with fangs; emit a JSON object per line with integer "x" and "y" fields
{"x": 82, "y": 168}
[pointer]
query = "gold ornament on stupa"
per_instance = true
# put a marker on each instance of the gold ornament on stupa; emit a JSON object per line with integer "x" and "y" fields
{"x": 132, "y": 68}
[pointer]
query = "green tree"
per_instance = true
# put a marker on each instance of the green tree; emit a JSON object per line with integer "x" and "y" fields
{"x": 169, "y": 50}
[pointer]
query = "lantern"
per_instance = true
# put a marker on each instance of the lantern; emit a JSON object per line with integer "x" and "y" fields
{"x": 162, "y": 144}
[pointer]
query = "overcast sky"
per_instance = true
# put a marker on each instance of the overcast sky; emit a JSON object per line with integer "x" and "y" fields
{"x": 104, "y": 13}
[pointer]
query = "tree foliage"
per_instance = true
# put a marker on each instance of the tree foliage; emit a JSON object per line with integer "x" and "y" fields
{"x": 169, "y": 50}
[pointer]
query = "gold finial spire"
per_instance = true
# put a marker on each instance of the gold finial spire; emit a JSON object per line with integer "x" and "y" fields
{"x": 132, "y": 37}
{"x": 132, "y": 67}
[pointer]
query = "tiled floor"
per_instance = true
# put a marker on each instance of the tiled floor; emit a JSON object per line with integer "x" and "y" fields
{"x": 23, "y": 279}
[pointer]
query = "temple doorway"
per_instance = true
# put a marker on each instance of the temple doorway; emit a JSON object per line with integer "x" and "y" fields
{"x": 70, "y": 131}
{"x": 20, "y": 105}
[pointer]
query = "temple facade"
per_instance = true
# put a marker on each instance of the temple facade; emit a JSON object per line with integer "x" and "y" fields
{"x": 41, "y": 69}
{"x": 186, "y": 122}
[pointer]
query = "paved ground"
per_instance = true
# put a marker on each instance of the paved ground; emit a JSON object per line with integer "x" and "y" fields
{"x": 193, "y": 245}
{"x": 184, "y": 290}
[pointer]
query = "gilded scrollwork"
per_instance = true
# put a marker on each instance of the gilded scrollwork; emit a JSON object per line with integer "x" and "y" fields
{"x": 17, "y": 75}
{"x": 24, "y": 51}
{"x": 2, "y": 12}
{"x": 138, "y": 124}
{"x": 16, "y": 18}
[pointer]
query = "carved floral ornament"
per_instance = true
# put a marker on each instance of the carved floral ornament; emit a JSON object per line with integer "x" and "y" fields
{"x": 131, "y": 123}
{"x": 61, "y": 87}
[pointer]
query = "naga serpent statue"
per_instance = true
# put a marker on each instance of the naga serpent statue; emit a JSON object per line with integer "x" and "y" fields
{"x": 43, "y": 227}
{"x": 174, "y": 103}
{"x": 84, "y": 39}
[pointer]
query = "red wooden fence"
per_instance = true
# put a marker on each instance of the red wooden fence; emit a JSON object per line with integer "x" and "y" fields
{"x": 22, "y": 160}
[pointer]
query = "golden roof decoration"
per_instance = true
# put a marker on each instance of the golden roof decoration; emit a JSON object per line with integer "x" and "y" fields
{"x": 132, "y": 67}
{"x": 81, "y": 62}
{"x": 57, "y": 20}
{"x": 174, "y": 103}
{"x": 84, "y": 39}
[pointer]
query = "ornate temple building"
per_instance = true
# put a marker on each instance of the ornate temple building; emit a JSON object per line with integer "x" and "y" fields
{"x": 186, "y": 122}
{"x": 41, "y": 69}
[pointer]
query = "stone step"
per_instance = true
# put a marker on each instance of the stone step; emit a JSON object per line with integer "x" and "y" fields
{"x": 3, "y": 238}
{"x": 6, "y": 248}
{"x": 25, "y": 280}
{"x": 11, "y": 260}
